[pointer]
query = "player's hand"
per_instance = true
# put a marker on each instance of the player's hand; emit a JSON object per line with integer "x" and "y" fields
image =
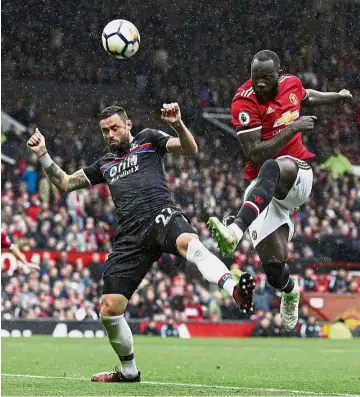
{"x": 345, "y": 95}
{"x": 304, "y": 123}
{"x": 36, "y": 143}
{"x": 170, "y": 112}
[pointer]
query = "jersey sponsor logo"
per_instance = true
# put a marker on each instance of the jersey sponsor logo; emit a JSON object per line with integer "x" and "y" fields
{"x": 270, "y": 110}
{"x": 287, "y": 118}
{"x": 124, "y": 168}
{"x": 244, "y": 118}
{"x": 293, "y": 99}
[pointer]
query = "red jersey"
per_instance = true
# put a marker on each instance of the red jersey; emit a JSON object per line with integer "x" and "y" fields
{"x": 248, "y": 114}
{"x": 6, "y": 243}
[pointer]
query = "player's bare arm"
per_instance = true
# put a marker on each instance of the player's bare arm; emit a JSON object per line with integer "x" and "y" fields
{"x": 185, "y": 143}
{"x": 259, "y": 151}
{"x": 63, "y": 181}
{"x": 316, "y": 98}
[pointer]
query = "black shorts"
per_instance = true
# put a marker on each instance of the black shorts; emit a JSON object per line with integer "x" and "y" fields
{"x": 132, "y": 256}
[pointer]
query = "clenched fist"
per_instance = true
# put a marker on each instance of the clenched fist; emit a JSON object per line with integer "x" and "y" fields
{"x": 346, "y": 95}
{"x": 170, "y": 113}
{"x": 37, "y": 143}
{"x": 304, "y": 123}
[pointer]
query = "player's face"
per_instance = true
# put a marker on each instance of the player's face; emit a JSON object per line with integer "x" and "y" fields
{"x": 116, "y": 133}
{"x": 265, "y": 79}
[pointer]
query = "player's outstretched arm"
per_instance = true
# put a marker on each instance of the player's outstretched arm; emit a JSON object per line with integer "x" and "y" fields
{"x": 316, "y": 98}
{"x": 259, "y": 151}
{"x": 63, "y": 181}
{"x": 185, "y": 143}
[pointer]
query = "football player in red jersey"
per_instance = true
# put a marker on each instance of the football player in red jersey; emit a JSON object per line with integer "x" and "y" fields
{"x": 6, "y": 243}
{"x": 266, "y": 114}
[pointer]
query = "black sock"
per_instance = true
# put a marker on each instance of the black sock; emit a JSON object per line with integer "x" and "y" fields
{"x": 278, "y": 276}
{"x": 260, "y": 195}
{"x": 289, "y": 286}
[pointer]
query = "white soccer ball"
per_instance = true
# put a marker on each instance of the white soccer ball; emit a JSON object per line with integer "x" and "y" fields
{"x": 121, "y": 39}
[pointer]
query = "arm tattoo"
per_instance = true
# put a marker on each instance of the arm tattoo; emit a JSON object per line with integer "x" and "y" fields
{"x": 64, "y": 182}
{"x": 56, "y": 175}
{"x": 77, "y": 181}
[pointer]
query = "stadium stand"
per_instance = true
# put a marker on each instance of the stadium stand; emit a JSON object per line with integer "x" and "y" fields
{"x": 72, "y": 86}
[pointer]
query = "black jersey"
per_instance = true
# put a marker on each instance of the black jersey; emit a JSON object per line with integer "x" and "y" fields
{"x": 136, "y": 180}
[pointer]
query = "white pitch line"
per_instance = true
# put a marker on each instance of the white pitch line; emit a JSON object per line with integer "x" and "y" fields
{"x": 194, "y": 385}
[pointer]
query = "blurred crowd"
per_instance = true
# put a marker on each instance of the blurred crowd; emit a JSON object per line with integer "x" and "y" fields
{"x": 67, "y": 292}
{"x": 62, "y": 45}
{"x": 38, "y": 217}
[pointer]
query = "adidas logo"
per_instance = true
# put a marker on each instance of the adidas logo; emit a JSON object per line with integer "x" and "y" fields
{"x": 270, "y": 110}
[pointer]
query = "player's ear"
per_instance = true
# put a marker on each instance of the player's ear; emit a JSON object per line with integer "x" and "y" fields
{"x": 280, "y": 73}
{"x": 129, "y": 124}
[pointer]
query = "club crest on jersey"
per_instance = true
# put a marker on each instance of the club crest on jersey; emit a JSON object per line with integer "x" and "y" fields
{"x": 293, "y": 99}
{"x": 244, "y": 118}
{"x": 287, "y": 118}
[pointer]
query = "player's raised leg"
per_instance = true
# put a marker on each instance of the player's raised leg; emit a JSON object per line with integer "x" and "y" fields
{"x": 275, "y": 179}
{"x": 215, "y": 271}
{"x": 273, "y": 254}
{"x": 120, "y": 338}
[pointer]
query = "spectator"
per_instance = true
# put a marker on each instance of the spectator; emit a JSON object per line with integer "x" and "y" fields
{"x": 96, "y": 267}
{"x": 277, "y": 327}
{"x": 308, "y": 282}
{"x": 151, "y": 329}
{"x": 263, "y": 328}
{"x": 338, "y": 282}
{"x": 30, "y": 177}
{"x": 339, "y": 330}
{"x": 229, "y": 310}
{"x": 310, "y": 329}
{"x": 169, "y": 329}
{"x": 338, "y": 164}
{"x": 303, "y": 314}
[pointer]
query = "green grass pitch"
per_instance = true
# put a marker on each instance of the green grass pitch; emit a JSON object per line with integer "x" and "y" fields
{"x": 46, "y": 366}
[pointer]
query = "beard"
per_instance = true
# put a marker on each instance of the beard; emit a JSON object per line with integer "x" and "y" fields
{"x": 267, "y": 96}
{"x": 119, "y": 148}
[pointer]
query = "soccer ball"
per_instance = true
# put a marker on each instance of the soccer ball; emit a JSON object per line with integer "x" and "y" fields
{"x": 121, "y": 39}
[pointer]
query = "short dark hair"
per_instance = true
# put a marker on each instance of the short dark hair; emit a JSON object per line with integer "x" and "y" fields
{"x": 111, "y": 110}
{"x": 267, "y": 55}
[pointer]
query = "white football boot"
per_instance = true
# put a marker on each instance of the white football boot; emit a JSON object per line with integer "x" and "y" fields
{"x": 289, "y": 308}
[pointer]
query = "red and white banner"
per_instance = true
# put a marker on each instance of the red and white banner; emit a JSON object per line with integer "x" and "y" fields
{"x": 8, "y": 261}
{"x": 209, "y": 330}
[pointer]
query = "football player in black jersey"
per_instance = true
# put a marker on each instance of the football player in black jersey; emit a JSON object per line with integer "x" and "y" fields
{"x": 149, "y": 223}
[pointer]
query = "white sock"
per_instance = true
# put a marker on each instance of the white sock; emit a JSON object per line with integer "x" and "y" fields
{"x": 121, "y": 339}
{"x": 237, "y": 231}
{"x": 210, "y": 266}
{"x": 296, "y": 288}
